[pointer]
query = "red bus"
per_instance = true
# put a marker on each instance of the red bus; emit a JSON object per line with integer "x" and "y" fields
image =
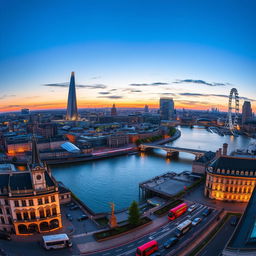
{"x": 147, "y": 248}
{"x": 177, "y": 211}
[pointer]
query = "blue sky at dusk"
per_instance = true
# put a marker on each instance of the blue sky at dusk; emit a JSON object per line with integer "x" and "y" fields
{"x": 127, "y": 52}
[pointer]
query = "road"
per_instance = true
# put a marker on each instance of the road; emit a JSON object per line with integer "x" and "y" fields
{"x": 161, "y": 235}
{"x": 217, "y": 244}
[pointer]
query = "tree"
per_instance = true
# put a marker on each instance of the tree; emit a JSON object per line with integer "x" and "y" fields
{"x": 134, "y": 214}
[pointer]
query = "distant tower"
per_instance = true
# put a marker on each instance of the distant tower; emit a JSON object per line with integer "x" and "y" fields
{"x": 166, "y": 108}
{"x": 246, "y": 112}
{"x": 113, "y": 110}
{"x": 146, "y": 110}
{"x": 72, "y": 113}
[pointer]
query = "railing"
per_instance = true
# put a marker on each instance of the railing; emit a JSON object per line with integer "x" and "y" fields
{"x": 37, "y": 219}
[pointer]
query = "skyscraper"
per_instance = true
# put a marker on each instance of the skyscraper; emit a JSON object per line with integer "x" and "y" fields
{"x": 113, "y": 110}
{"x": 166, "y": 108}
{"x": 72, "y": 113}
{"x": 246, "y": 112}
{"x": 146, "y": 109}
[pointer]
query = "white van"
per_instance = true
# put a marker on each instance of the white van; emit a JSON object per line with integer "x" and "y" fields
{"x": 57, "y": 241}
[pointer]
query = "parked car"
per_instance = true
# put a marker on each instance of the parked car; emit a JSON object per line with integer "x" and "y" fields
{"x": 192, "y": 208}
{"x": 170, "y": 242}
{"x": 5, "y": 236}
{"x": 234, "y": 220}
{"x": 206, "y": 212}
{"x": 71, "y": 204}
{"x": 75, "y": 207}
{"x": 196, "y": 221}
{"x": 69, "y": 217}
{"x": 83, "y": 217}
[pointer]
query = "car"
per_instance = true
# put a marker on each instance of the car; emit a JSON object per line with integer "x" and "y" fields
{"x": 83, "y": 217}
{"x": 170, "y": 242}
{"x": 192, "y": 208}
{"x": 71, "y": 204}
{"x": 196, "y": 221}
{"x": 206, "y": 212}
{"x": 75, "y": 207}
{"x": 234, "y": 220}
{"x": 69, "y": 217}
{"x": 5, "y": 236}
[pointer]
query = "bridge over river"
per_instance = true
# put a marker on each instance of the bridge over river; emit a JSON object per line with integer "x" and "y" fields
{"x": 173, "y": 150}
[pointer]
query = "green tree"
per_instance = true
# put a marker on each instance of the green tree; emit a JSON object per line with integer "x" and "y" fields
{"x": 134, "y": 214}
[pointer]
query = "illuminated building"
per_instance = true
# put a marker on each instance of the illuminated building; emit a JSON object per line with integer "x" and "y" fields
{"x": 29, "y": 200}
{"x": 72, "y": 114}
{"x": 246, "y": 112}
{"x": 231, "y": 178}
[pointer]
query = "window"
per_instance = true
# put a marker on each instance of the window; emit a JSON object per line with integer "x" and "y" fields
{"x": 10, "y": 220}
{"x": 1, "y": 211}
{"x": 32, "y": 215}
{"x": 16, "y": 203}
{"x": 2, "y": 220}
{"x": 18, "y": 216}
{"x": 25, "y": 214}
{"x": 46, "y": 200}
{"x": 40, "y": 201}
{"x": 41, "y": 213}
{"x": 6, "y": 202}
{"x": 53, "y": 198}
{"x": 31, "y": 203}
{"x": 48, "y": 213}
{"x": 23, "y": 203}
{"x": 8, "y": 211}
{"x": 54, "y": 211}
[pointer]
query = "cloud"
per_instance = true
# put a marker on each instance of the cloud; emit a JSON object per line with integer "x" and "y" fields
{"x": 95, "y": 77}
{"x": 93, "y": 86}
{"x": 131, "y": 90}
{"x": 111, "y": 97}
{"x": 104, "y": 93}
{"x": 149, "y": 84}
{"x": 212, "y": 95}
{"x": 168, "y": 93}
{"x": 201, "y": 82}
{"x": 5, "y": 96}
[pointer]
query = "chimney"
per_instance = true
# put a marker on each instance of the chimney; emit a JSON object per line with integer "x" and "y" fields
{"x": 225, "y": 149}
{"x": 220, "y": 151}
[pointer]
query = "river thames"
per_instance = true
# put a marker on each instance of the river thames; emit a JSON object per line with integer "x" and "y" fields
{"x": 117, "y": 179}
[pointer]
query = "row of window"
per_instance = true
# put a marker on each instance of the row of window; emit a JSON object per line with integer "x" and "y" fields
{"x": 30, "y": 202}
{"x": 231, "y": 181}
{"x": 230, "y": 189}
{"x": 4, "y": 222}
{"x": 231, "y": 197}
{"x": 32, "y": 215}
{"x": 246, "y": 173}
{"x": 7, "y": 211}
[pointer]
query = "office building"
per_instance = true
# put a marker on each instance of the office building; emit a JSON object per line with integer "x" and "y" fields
{"x": 166, "y": 108}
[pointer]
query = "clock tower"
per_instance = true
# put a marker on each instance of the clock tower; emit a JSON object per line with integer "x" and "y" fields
{"x": 37, "y": 168}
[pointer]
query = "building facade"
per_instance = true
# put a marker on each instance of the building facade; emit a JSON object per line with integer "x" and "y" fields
{"x": 166, "y": 108}
{"x": 29, "y": 200}
{"x": 230, "y": 178}
{"x": 246, "y": 112}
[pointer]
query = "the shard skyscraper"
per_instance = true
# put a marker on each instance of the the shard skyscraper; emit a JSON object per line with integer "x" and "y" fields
{"x": 72, "y": 113}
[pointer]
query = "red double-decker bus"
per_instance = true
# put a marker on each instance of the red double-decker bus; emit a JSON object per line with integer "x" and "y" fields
{"x": 175, "y": 212}
{"x": 147, "y": 248}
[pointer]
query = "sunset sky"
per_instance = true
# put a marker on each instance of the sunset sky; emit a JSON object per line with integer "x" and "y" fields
{"x": 129, "y": 52}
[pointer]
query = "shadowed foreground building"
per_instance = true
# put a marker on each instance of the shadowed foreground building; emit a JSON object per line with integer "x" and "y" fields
{"x": 29, "y": 200}
{"x": 243, "y": 240}
{"x": 230, "y": 178}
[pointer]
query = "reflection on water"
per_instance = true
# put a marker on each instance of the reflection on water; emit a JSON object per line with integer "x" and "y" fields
{"x": 116, "y": 179}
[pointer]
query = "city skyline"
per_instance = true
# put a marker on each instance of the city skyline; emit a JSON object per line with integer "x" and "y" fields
{"x": 130, "y": 55}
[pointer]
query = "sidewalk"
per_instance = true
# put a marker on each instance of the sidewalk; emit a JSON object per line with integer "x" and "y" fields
{"x": 93, "y": 247}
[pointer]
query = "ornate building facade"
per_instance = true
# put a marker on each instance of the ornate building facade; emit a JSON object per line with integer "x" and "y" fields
{"x": 29, "y": 200}
{"x": 230, "y": 178}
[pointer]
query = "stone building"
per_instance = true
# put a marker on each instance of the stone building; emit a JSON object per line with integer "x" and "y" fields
{"x": 29, "y": 200}
{"x": 230, "y": 178}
